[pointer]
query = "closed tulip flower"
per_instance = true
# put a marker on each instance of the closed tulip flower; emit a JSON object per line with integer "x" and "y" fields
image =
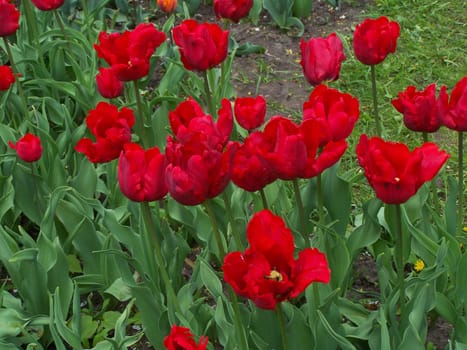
{"x": 28, "y": 148}
{"x": 338, "y": 111}
{"x": 250, "y": 111}
{"x": 7, "y": 78}
{"x": 234, "y": 10}
{"x": 10, "y": 18}
{"x": 168, "y": 6}
{"x": 108, "y": 84}
{"x": 181, "y": 338}
{"x": 453, "y": 108}
{"x": 419, "y": 108}
{"x": 128, "y": 53}
{"x": 47, "y": 5}
{"x": 202, "y": 45}
{"x": 141, "y": 173}
{"x": 374, "y": 39}
{"x": 267, "y": 272}
{"x": 322, "y": 58}
{"x": 111, "y": 128}
{"x": 394, "y": 172}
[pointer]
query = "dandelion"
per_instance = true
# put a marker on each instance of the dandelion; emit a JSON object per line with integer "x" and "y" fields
{"x": 419, "y": 265}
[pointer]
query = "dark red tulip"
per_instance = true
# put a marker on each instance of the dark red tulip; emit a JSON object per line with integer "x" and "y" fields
{"x": 202, "y": 45}
{"x": 234, "y": 10}
{"x": 267, "y": 272}
{"x": 453, "y": 109}
{"x": 28, "y": 148}
{"x": 419, "y": 108}
{"x": 7, "y": 78}
{"x": 321, "y": 58}
{"x": 108, "y": 85}
{"x": 374, "y": 39}
{"x": 394, "y": 172}
{"x": 250, "y": 111}
{"x": 47, "y": 5}
{"x": 181, "y": 338}
{"x": 10, "y": 18}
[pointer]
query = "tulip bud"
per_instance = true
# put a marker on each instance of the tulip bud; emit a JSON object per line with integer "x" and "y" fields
{"x": 168, "y": 6}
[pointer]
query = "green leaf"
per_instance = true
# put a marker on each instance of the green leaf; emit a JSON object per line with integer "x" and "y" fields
{"x": 344, "y": 343}
{"x": 210, "y": 279}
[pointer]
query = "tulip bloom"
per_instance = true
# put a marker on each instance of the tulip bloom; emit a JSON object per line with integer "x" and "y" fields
{"x": 339, "y": 111}
{"x": 128, "y": 53}
{"x": 250, "y": 111}
{"x": 108, "y": 85}
{"x": 453, "y": 109}
{"x": 394, "y": 172}
{"x": 7, "y": 78}
{"x": 168, "y": 6}
{"x": 28, "y": 148}
{"x": 234, "y": 10}
{"x": 181, "y": 338}
{"x": 321, "y": 58}
{"x": 267, "y": 272}
{"x": 111, "y": 128}
{"x": 300, "y": 151}
{"x": 374, "y": 39}
{"x": 419, "y": 108}
{"x": 10, "y": 18}
{"x": 141, "y": 173}
{"x": 202, "y": 46}
{"x": 47, "y": 5}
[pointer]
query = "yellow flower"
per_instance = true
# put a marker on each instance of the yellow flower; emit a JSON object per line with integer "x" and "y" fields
{"x": 419, "y": 265}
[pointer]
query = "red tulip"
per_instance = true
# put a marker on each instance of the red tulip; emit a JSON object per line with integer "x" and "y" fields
{"x": 28, "y": 148}
{"x": 300, "y": 151}
{"x": 181, "y": 338}
{"x": 234, "y": 10}
{"x": 111, "y": 128}
{"x": 47, "y": 5}
{"x": 250, "y": 170}
{"x": 394, "y": 172}
{"x": 128, "y": 53}
{"x": 338, "y": 111}
{"x": 374, "y": 39}
{"x": 321, "y": 58}
{"x": 168, "y": 6}
{"x": 108, "y": 84}
{"x": 141, "y": 173}
{"x": 7, "y": 78}
{"x": 202, "y": 46}
{"x": 453, "y": 109}
{"x": 267, "y": 272}
{"x": 419, "y": 108}
{"x": 10, "y": 18}
{"x": 250, "y": 111}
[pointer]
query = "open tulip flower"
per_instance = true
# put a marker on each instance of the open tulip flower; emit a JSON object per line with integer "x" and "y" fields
{"x": 28, "y": 148}
{"x": 321, "y": 58}
{"x": 10, "y": 18}
{"x": 111, "y": 128}
{"x": 419, "y": 108}
{"x": 141, "y": 173}
{"x": 47, "y": 5}
{"x": 453, "y": 109}
{"x": 267, "y": 272}
{"x": 394, "y": 172}
{"x": 339, "y": 111}
{"x": 7, "y": 78}
{"x": 374, "y": 39}
{"x": 202, "y": 45}
{"x": 181, "y": 338}
{"x": 234, "y": 10}
{"x": 128, "y": 53}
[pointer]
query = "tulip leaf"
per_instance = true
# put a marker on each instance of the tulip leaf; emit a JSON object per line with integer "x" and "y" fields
{"x": 343, "y": 343}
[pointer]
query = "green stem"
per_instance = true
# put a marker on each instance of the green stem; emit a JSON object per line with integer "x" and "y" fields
{"x": 282, "y": 327}
{"x": 207, "y": 92}
{"x": 301, "y": 212}
{"x": 263, "y": 198}
{"x": 235, "y": 234}
{"x": 215, "y": 228}
{"x": 400, "y": 259}
{"x": 33, "y": 32}
{"x": 238, "y": 320}
{"x": 140, "y": 118}
{"x": 375, "y": 101}
{"x": 319, "y": 185}
{"x": 434, "y": 190}
{"x": 152, "y": 241}
{"x": 62, "y": 27}
{"x": 460, "y": 187}
{"x": 16, "y": 73}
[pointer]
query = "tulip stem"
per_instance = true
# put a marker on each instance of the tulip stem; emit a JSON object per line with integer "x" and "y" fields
{"x": 140, "y": 121}
{"x": 319, "y": 185}
{"x": 460, "y": 186}
{"x": 375, "y": 101}
{"x": 62, "y": 28}
{"x": 282, "y": 327}
{"x": 263, "y": 198}
{"x": 238, "y": 320}
{"x": 215, "y": 229}
{"x": 434, "y": 190}
{"x": 152, "y": 241}
{"x": 235, "y": 234}
{"x": 400, "y": 259}
{"x": 207, "y": 91}
{"x": 32, "y": 31}
{"x": 301, "y": 212}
